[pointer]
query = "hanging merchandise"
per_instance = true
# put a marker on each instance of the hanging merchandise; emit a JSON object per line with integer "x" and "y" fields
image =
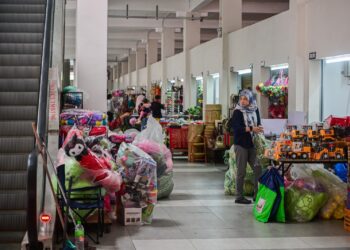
{"x": 155, "y": 90}
{"x": 174, "y": 101}
{"x": 269, "y": 204}
{"x": 276, "y": 90}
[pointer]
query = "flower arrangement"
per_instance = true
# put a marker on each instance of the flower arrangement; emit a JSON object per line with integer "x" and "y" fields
{"x": 272, "y": 91}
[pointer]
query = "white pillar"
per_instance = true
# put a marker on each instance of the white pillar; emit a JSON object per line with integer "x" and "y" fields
{"x": 315, "y": 79}
{"x": 192, "y": 38}
{"x": 152, "y": 57}
{"x": 140, "y": 62}
{"x": 91, "y": 52}
{"x": 231, "y": 15}
{"x": 167, "y": 50}
{"x": 230, "y": 20}
{"x": 261, "y": 74}
{"x": 131, "y": 66}
{"x": 152, "y": 51}
{"x": 124, "y": 68}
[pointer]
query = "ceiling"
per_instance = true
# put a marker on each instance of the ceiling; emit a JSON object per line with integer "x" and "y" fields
{"x": 127, "y": 34}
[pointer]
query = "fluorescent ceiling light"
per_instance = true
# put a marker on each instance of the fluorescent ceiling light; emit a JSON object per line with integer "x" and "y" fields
{"x": 244, "y": 71}
{"x": 216, "y": 75}
{"x": 182, "y": 80}
{"x": 199, "y": 78}
{"x": 172, "y": 81}
{"x": 279, "y": 66}
{"x": 336, "y": 59}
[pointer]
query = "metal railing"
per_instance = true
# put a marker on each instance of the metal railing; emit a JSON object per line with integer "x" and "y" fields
{"x": 32, "y": 185}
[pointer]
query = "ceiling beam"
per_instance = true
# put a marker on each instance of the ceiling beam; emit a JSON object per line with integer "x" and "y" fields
{"x": 264, "y": 7}
{"x": 196, "y": 5}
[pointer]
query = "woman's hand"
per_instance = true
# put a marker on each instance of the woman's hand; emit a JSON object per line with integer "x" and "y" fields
{"x": 258, "y": 129}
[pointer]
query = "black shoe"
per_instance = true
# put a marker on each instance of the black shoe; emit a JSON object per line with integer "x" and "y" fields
{"x": 243, "y": 201}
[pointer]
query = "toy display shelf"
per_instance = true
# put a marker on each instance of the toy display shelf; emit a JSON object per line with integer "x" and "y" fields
{"x": 284, "y": 164}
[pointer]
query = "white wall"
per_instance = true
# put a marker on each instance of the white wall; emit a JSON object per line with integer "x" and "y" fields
{"x": 156, "y": 71}
{"x": 133, "y": 80}
{"x": 328, "y": 27}
{"x": 206, "y": 57}
{"x": 268, "y": 40}
{"x": 336, "y": 91}
{"x": 143, "y": 77}
{"x": 175, "y": 66}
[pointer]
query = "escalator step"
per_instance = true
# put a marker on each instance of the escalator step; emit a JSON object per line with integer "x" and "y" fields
{"x": 13, "y": 128}
{"x": 22, "y": 27}
{"x": 18, "y": 98}
{"x": 21, "y": 18}
{"x": 10, "y": 237}
{"x": 13, "y": 181}
{"x": 22, "y": 8}
{"x": 13, "y": 162}
{"x": 18, "y": 144}
{"x": 20, "y": 85}
{"x": 13, "y": 220}
{"x": 19, "y": 72}
{"x": 20, "y": 60}
{"x": 18, "y": 113}
{"x": 13, "y": 199}
{"x": 35, "y": 38}
{"x": 20, "y": 48}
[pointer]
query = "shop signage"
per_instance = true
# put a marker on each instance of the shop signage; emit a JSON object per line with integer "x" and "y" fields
{"x": 312, "y": 55}
{"x": 53, "y": 100}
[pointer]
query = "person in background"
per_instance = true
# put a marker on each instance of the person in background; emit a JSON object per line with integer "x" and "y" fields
{"x": 144, "y": 111}
{"x": 246, "y": 123}
{"x": 110, "y": 108}
{"x": 157, "y": 107}
{"x": 131, "y": 102}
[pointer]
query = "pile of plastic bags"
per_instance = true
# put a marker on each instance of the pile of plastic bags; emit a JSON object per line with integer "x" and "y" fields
{"x": 83, "y": 117}
{"x": 151, "y": 141}
{"x": 312, "y": 190}
{"x": 139, "y": 173}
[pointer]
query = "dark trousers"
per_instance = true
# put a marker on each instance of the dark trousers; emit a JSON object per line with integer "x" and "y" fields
{"x": 244, "y": 156}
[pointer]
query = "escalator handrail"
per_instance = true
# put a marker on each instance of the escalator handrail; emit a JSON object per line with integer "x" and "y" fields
{"x": 32, "y": 217}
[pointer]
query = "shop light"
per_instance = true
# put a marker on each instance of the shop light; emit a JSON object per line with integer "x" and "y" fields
{"x": 199, "y": 78}
{"x": 244, "y": 71}
{"x": 182, "y": 80}
{"x": 216, "y": 75}
{"x": 335, "y": 59}
{"x": 279, "y": 66}
{"x": 172, "y": 81}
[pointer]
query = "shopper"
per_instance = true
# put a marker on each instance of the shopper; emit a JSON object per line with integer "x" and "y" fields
{"x": 157, "y": 107}
{"x": 246, "y": 123}
{"x": 144, "y": 111}
{"x": 110, "y": 108}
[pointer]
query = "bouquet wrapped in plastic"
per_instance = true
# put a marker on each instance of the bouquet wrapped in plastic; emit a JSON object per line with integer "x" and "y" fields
{"x": 139, "y": 173}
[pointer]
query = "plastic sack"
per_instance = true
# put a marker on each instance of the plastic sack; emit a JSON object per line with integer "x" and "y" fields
{"x": 302, "y": 204}
{"x": 165, "y": 185}
{"x": 261, "y": 144}
{"x": 139, "y": 173}
{"x": 153, "y": 132}
{"x": 230, "y": 177}
{"x": 160, "y": 154}
{"x": 269, "y": 204}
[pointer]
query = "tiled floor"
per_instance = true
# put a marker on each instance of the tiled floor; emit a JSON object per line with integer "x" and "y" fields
{"x": 199, "y": 216}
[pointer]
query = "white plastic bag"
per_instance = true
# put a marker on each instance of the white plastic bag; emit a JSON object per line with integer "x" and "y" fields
{"x": 153, "y": 132}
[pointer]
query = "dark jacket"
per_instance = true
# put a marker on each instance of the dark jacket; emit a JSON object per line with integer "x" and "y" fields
{"x": 156, "y": 108}
{"x": 240, "y": 136}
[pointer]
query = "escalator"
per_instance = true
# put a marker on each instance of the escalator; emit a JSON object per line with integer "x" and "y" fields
{"x": 22, "y": 25}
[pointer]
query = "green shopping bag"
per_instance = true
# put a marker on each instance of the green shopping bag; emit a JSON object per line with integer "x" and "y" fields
{"x": 269, "y": 202}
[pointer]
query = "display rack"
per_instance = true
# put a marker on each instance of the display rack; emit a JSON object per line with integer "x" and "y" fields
{"x": 174, "y": 101}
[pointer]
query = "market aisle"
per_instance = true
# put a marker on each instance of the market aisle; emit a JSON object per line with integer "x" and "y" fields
{"x": 199, "y": 216}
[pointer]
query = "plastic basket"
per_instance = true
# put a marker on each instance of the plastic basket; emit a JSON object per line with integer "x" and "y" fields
{"x": 347, "y": 219}
{"x": 337, "y": 121}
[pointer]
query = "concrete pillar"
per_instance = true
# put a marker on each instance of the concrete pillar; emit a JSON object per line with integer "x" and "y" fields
{"x": 58, "y": 39}
{"x": 91, "y": 52}
{"x": 168, "y": 42}
{"x": 132, "y": 63}
{"x": 152, "y": 51}
{"x": 315, "y": 91}
{"x": 230, "y": 20}
{"x": 124, "y": 68}
{"x": 140, "y": 58}
{"x": 140, "y": 62}
{"x": 231, "y": 15}
{"x": 261, "y": 74}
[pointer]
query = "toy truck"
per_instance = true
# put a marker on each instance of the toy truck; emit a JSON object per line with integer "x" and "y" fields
{"x": 327, "y": 135}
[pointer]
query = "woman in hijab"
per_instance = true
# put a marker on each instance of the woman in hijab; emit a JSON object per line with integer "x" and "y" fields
{"x": 246, "y": 123}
